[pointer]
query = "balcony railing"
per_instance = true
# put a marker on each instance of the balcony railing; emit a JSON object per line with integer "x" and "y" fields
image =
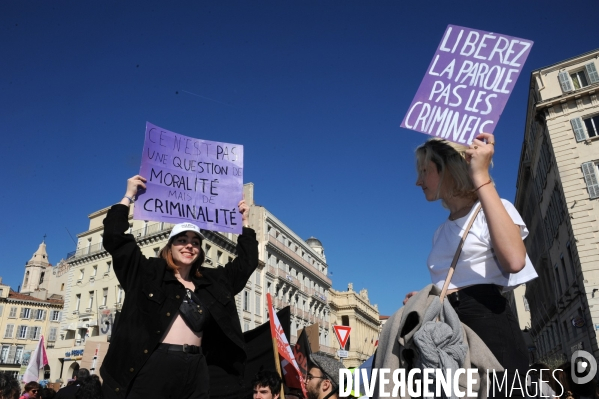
{"x": 148, "y": 230}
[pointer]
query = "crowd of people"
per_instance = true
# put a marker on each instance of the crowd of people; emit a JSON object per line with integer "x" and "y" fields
{"x": 81, "y": 386}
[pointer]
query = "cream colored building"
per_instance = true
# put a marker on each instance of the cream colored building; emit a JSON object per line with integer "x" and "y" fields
{"x": 93, "y": 296}
{"x": 354, "y": 309}
{"x": 557, "y": 195}
{"x": 296, "y": 274}
{"x": 23, "y": 320}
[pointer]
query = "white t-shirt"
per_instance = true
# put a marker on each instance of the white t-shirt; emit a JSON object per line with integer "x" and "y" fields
{"x": 477, "y": 264}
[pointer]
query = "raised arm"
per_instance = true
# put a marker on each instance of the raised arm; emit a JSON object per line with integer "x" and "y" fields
{"x": 126, "y": 255}
{"x": 239, "y": 270}
{"x": 505, "y": 234}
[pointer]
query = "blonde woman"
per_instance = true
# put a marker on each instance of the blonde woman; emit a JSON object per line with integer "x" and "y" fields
{"x": 493, "y": 258}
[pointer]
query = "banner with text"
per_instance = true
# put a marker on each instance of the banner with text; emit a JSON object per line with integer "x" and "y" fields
{"x": 190, "y": 180}
{"x": 467, "y": 84}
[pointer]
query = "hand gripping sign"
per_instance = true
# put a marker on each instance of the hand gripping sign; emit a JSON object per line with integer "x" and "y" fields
{"x": 467, "y": 84}
{"x": 190, "y": 180}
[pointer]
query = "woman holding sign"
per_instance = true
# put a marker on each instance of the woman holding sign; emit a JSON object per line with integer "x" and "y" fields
{"x": 179, "y": 318}
{"x": 493, "y": 258}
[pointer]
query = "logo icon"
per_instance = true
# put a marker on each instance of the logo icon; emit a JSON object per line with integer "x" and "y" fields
{"x": 584, "y": 367}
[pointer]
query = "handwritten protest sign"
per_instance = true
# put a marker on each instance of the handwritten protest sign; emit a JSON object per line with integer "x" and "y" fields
{"x": 467, "y": 84}
{"x": 190, "y": 180}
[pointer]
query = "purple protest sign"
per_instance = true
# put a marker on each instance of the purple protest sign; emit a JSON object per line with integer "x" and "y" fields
{"x": 190, "y": 180}
{"x": 467, "y": 84}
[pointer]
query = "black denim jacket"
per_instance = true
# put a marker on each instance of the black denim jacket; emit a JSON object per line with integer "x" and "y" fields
{"x": 153, "y": 296}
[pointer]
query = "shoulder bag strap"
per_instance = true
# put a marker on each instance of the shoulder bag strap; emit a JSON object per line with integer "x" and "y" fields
{"x": 458, "y": 252}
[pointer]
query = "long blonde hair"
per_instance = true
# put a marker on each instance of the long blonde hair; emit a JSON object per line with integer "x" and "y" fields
{"x": 449, "y": 158}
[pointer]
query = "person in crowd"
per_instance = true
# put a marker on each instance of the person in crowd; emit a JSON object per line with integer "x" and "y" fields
{"x": 30, "y": 391}
{"x": 178, "y": 318}
{"x": 493, "y": 258}
{"x": 46, "y": 393}
{"x": 69, "y": 391}
{"x": 267, "y": 385}
{"x": 571, "y": 389}
{"x": 9, "y": 386}
{"x": 322, "y": 381}
{"x": 91, "y": 388}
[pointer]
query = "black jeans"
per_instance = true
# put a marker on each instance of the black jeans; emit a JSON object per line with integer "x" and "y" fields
{"x": 483, "y": 309}
{"x": 171, "y": 374}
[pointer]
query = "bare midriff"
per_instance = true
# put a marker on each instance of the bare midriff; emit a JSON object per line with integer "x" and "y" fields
{"x": 178, "y": 332}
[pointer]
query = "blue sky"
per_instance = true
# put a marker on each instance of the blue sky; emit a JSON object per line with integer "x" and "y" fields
{"x": 314, "y": 90}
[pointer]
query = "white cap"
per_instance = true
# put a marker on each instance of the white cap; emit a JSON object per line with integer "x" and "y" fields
{"x": 183, "y": 227}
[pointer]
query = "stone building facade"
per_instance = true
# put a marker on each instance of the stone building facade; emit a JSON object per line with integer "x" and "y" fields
{"x": 558, "y": 197}
{"x": 23, "y": 320}
{"x": 353, "y": 309}
{"x": 296, "y": 273}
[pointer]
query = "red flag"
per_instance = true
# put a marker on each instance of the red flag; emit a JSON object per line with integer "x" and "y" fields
{"x": 291, "y": 372}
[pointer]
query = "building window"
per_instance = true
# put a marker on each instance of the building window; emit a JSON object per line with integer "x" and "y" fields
{"x": 104, "y": 296}
{"x": 570, "y": 81}
{"x": 563, "y": 262}
{"x": 81, "y": 274}
{"x": 62, "y": 287}
{"x": 579, "y": 79}
{"x": 55, "y": 315}
{"x": 558, "y": 281}
{"x": 22, "y": 333}
{"x": 258, "y": 275}
{"x": 108, "y": 266}
{"x": 4, "y": 354}
{"x": 156, "y": 251}
{"x": 258, "y": 303}
{"x": 78, "y": 302}
{"x": 246, "y": 326}
{"x": 590, "y": 173}
{"x": 52, "y": 335}
{"x": 25, "y": 313}
{"x": 119, "y": 297}
{"x": 246, "y": 300}
{"x": 40, "y": 314}
{"x": 585, "y": 128}
{"x": 13, "y": 313}
{"x": 10, "y": 329}
{"x": 18, "y": 355}
{"x": 91, "y": 300}
{"x": 35, "y": 332}
{"x": 94, "y": 270}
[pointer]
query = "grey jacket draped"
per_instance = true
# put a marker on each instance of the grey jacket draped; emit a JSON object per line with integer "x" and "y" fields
{"x": 397, "y": 347}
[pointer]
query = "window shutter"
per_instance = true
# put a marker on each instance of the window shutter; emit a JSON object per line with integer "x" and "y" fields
{"x": 592, "y": 72}
{"x": 22, "y": 313}
{"x": 11, "y": 354}
{"x": 30, "y": 332}
{"x": 44, "y": 315}
{"x": 579, "y": 129}
{"x": 590, "y": 177}
{"x": 52, "y": 335}
{"x": 1, "y": 308}
{"x": 9, "y": 330}
{"x": 564, "y": 80}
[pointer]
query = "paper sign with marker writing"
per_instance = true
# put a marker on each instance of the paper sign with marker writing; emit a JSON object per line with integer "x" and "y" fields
{"x": 467, "y": 84}
{"x": 190, "y": 180}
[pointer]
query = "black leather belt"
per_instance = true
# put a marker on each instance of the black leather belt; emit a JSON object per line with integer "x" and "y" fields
{"x": 191, "y": 349}
{"x": 454, "y": 298}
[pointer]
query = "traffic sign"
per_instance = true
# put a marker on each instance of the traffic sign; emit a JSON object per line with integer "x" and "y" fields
{"x": 342, "y": 333}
